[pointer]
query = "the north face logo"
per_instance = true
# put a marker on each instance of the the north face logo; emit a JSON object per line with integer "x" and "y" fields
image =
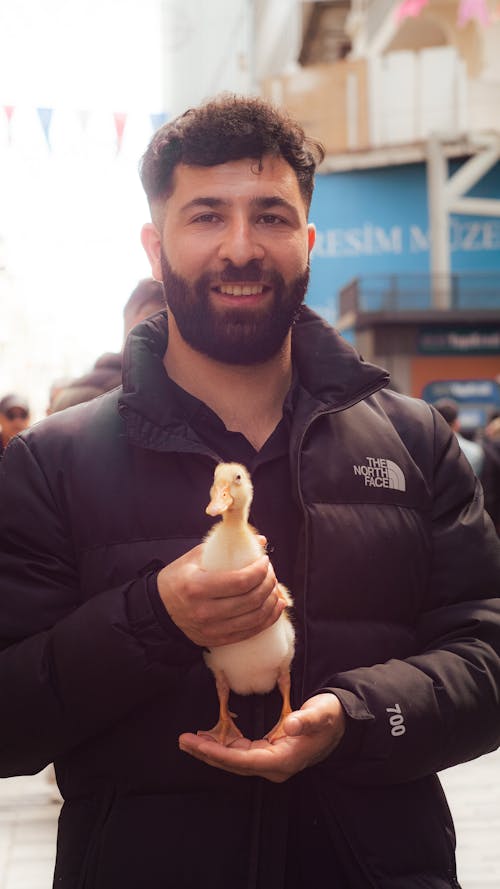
{"x": 381, "y": 473}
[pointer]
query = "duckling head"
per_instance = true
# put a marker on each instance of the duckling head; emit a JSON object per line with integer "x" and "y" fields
{"x": 232, "y": 489}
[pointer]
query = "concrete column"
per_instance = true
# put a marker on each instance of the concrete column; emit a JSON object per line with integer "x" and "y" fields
{"x": 439, "y": 229}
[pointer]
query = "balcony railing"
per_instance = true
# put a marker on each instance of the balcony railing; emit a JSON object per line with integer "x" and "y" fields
{"x": 476, "y": 291}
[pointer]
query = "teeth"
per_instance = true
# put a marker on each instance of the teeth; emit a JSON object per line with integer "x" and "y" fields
{"x": 241, "y": 290}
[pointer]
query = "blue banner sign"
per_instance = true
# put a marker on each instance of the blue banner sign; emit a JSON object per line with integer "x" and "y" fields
{"x": 467, "y": 340}
{"x": 375, "y": 222}
{"x": 475, "y": 399}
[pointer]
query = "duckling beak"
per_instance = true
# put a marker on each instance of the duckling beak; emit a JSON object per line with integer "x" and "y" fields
{"x": 220, "y": 502}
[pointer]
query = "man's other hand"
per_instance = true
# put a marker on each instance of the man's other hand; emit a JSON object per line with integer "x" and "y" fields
{"x": 312, "y": 733}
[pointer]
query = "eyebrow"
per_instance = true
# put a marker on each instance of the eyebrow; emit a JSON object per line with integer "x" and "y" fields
{"x": 259, "y": 203}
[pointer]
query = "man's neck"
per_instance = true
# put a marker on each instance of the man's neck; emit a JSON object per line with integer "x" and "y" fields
{"x": 248, "y": 399}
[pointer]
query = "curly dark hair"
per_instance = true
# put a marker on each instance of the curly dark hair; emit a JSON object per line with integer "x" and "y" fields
{"x": 226, "y": 128}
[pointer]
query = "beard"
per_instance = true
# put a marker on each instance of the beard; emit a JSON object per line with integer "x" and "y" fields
{"x": 243, "y": 336}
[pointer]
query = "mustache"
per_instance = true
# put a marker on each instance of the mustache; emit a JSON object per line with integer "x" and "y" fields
{"x": 233, "y": 274}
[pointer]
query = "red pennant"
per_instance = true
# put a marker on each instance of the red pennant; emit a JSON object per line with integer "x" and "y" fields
{"x": 120, "y": 121}
{"x": 9, "y": 111}
{"x": 470, "y": 10}
{"x": 409, "y": 9}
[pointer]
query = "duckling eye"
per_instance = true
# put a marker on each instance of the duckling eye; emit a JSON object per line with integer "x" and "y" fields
{"x": 237, "y": 478}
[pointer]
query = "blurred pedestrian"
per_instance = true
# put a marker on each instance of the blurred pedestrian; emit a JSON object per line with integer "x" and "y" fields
{"x": 471, "y": 449}
{"x": 14, "y": 417}
{"x": 147, "y": 298}
{"x": 57, "y": 386}
{"x": 490, "y": 476}
{"x": 106, "y": 373}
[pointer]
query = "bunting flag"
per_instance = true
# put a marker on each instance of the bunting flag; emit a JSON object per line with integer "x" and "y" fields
{"x": 120, "y": 120}
{"x": 409, "y": 9}
{"x": 45, "y": 115}
{"x": 83, "y": 116}
{"x": 473, "y": 10}
{"x": 157, "y": 120}
{"x": 468, "y": 10}
{"x": 9, "y": 111}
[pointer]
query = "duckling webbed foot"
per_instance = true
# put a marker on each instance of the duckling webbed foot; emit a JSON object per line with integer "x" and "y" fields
{"x": 226, "y": 731}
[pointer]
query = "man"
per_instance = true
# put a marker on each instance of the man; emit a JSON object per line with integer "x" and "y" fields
{"x": 372, "y": 521}
{"x": 14, "y": 417}
{"x": 471, "y": 449}
{"x": 145, "y": 299}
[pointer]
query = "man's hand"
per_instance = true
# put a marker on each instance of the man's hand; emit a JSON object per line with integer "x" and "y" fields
{"x": 218, "y": 607}
{"x": 312, "y": 733}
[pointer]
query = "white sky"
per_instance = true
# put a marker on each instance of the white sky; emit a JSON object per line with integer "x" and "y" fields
{"x": 70, "y": 216}
{"x": 71, "y": 212}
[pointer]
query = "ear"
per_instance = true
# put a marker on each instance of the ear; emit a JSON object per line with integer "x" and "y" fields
{"x": 311, "y": 236}
{"x": 151, "y": 241}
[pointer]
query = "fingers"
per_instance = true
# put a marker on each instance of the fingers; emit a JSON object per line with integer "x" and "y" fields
{"x": 321, "y": 713}
{"x": 315, "y": 731}
{"x": 239, "y": 592}
{"x": 227, "y": 584}
{"x": 217, "y": 608}
{"x": 238, "y": 629}
{"x": 244, "y": 757}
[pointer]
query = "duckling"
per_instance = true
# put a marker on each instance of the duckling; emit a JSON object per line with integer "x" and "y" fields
{"x": 255, "y": 665}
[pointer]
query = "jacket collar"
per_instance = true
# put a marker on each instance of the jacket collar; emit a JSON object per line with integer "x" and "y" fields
{"x": 329, "y": 369}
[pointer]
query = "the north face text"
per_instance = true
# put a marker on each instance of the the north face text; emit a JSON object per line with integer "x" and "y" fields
{"x": 381, "y": 473}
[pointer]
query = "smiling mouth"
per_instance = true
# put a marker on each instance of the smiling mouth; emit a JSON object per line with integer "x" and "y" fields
{"x": 241, "y": 289}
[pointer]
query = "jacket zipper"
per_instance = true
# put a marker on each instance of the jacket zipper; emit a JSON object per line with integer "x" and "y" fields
{"x": 320, "y": 413}
{"x": 307, "y": 427}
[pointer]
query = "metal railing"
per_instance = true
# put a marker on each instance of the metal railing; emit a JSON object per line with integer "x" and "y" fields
{"x": 421, "y": 292}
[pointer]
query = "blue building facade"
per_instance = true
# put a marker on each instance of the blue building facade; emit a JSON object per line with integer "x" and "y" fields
{"x": 375, "y": 222}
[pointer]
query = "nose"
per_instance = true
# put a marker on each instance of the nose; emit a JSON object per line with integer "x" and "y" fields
{"x": 240, "y": 243}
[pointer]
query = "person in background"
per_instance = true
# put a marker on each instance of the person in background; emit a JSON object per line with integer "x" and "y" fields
{"x": 14, "y": 417}
{"x": 56, "y": 388}
{"x": 147, "y": 298}
{"x": 373, "y": 522}
{"x": 490, "y": 476}
{"x": 471, "y": 449}
{"x": 106, "y": 374}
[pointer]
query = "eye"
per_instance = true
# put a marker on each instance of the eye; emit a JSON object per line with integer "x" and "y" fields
{"x": 206, "y": 218}
{"x": 271, "y": 219}
{"x": 237, "y": 479}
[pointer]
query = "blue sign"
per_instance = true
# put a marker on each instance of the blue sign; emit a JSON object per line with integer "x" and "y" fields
{"x": 475, "y": 399}
{"x": 464, "y": 340}
{"x": 375, "y": 222}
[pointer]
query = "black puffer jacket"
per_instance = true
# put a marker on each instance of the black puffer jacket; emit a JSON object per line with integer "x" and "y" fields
{"x": 394, "y": 583}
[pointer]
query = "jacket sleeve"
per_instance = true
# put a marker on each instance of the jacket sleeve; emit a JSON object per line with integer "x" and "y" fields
{"x": 410, "y": 718}
{"x": 68, "y": 669}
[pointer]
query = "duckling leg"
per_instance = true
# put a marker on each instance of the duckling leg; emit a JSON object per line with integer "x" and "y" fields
{"x": 284, "y": 687}
{"x": 226, "y": 730}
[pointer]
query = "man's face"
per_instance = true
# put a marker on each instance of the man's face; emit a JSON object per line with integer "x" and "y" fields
{"x": 233, "y": 254}
{"x": 14, "y": 420}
